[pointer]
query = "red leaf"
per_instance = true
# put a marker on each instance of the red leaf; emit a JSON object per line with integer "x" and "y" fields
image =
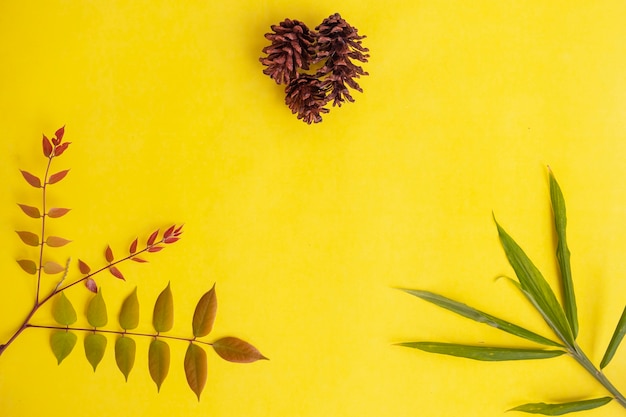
{"x": 178, "y": 231}
{"x": 91, "y": 285}
{"x": 133, "y": 247}
{"x": 59, "y": 135}
{"x": 116, "y": 273}
{"x": 153, "y": 237}
{"x": 30, "y": 211}
{"x": 83, "y": 267}
{"x": 56, "y": 212}
{"x": 54, "y": 178}
{"x": 169, "y": 240}
{"x": 61, "y": 148}
{"x": 236, "y": 350}
{"x": 52, "y": 268}
{"x": 139, "y": 260}
{"x": 155, "y": 248}
{"x": 47, "y": 146}
{"x": 56, "y": 242}
{"x": 31, "y": 239}
{"x": 28, "y": 266}
{"x": 108, "y": 254}
{"x": 31, "y": 179}
{"x": 169, "y": 231}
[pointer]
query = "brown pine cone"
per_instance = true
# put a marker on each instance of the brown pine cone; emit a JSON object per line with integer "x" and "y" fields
{"x": 307, "y": 98}
{"x": 292, "y": 48}
{"x": 339, "y": 43}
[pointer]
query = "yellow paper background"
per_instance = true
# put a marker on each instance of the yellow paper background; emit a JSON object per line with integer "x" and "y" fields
{"x": 306, "y": 229}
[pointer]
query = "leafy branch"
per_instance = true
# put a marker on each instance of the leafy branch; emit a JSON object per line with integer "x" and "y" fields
{"x": 63, "y": 338}
{"x": 561, "y": 318}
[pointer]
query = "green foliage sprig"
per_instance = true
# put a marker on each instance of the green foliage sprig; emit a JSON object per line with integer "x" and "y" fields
{"x": 63, "y": 338}
{"x": 561, "y": 318}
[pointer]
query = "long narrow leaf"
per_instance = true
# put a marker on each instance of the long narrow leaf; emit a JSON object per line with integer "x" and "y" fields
{"x": 536, "y": 287}
{"x": 563, "y": 254}
{"x": 483, "y": 353}
{"x": 481, "y": 317}
{"x": 563, "y": 408}
{"x": 618, "y": 335}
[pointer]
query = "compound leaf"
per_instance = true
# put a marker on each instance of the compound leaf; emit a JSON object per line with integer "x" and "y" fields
{"x": 125, "y": 349}
{"x": 562, "y": 408}
{"x": 204, "y": 315}
{"x": 483, "y": 353}
{"x": 63, "y": 311}
{"x": 95, "y": 346}
{"x": 62, "y": 343}
{"x": 196, "y": 368}
{"x": 158, "y": 361}
{"x": 163, "y": 315}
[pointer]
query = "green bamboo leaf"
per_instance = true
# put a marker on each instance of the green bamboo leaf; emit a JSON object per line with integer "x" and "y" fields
{"x": 536, "y": 287}
{"x": 95, "y": 344}
{"x": 563, "y": 254}
{"x": 204, "y": 315}
{"x": 618, "y": 335}
{"x": 196, "y": 368}
{"x": 158, "y": 361}
{"x": 125, "y": 349}
{"x": 129, "y": 314}
{"x": 483, "y": 353}
{"x": 63, "y": 311}
{"x": 481, "y": 317}
{"x": 62, "y": 343}
{"x": 97, "y": 311}
{"x": 563, "y": 408}
{"x": 163, "y": 315}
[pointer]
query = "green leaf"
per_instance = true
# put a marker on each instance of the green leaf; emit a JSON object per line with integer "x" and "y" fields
{"x": 236, "y": 350}
{"x": 618, "y": 335}
{"x": 563, "y": 254}
{"x": 163, "y": 315}
{"x": 63, "y": 311}
{"x": 196, "y": 368}
{"x": 481, "y": 317}
{"x": 158, "y": 361}
{"x": 129, "y": 314}
{"x": 95, "y": 345}
{"x": 62, "y": 343}
{"x": 97, "y": 311}
{"x": 536, "y": 288}
{"x": 483, "y": 353}
{"x": 204, "y": 315}
{"x": 563, "y": 408}
{"x": 125, "y": 349}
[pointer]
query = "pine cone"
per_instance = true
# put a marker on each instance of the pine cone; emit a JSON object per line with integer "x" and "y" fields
{"x": 292, "y": 48}
{"x": 339, "y": 43}
{"x": 306, "y": 97}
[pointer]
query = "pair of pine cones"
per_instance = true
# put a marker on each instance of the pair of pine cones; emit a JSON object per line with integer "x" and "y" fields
{"x": 296, "y": 50}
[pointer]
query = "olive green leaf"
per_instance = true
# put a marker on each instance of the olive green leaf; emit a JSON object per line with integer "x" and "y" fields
{"x": 62, "y": 343}
{"x": 95, "y": 345}
{"x": 129, "y": 313}
{"x": 481, "y": 317}
{"x": 204, "y": 315}
{"x": 236, "y": 350}
{"x": 125, "y": 349}
{"x": 97, "y": 311}
{"x": 483, "y": 353}
{"x": 63, "y": 311}
{"x": 158, "y": 361}
{"x": 536, "y": 287}
{"x": 196, "y": 368}
{"x": 163, "y": 315}
{"x": 563, "y": 408}
{"x": 618, "y": 335}
{"x": 563, "y": 254}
